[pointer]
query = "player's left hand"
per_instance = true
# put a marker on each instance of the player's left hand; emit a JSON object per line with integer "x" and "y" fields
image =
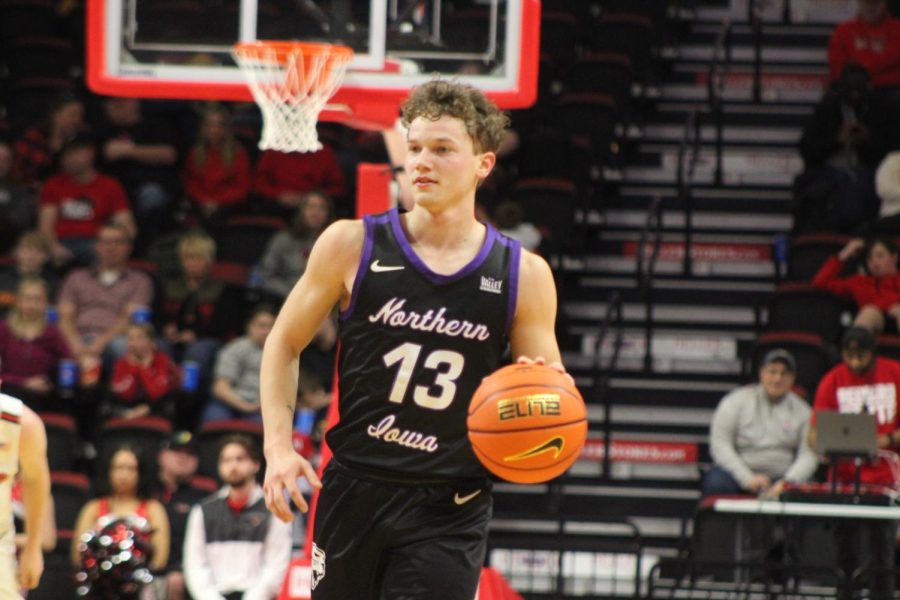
{"x": 540, "y": 360}
{"x": 31, "y": 566}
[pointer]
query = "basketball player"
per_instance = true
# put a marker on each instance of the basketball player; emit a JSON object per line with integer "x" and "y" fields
{"x": 23, "y": 446}
{"x": 429, "y": 300}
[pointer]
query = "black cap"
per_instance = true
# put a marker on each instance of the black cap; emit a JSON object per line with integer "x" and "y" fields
{"x": 858, "y": 338}
{"x": 780, "y": 355}
{"x": 180, "y": 440}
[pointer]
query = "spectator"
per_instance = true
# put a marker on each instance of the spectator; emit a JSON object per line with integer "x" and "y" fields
{"x": 197, "y": 312}
{"x": 217, "y": 170}
{"x": 872, "y": 40}
{"x": 758, "y": 434}
{"x": 285, "y": 257}
{"x": 511, "y": 222}
{"x": 235, "y": 393}
{"x": 126, "y": 492}
{"x": 864, "y": 382}
{"x": 17, "y": 210}
{"x": 144, "y": 380}
{"x": 281, "y": 178}
{"x": 31, "y": 348}
{"x": 877, "y": 292}
{"x": 177, "y": 466}
{"x": 887, "y": 186}
{"x": 141, "y": 153}
{"x": 842, "y": 143}
{"x": 31, "y": 255}
{"x": 95, "y": 304}
{"x": 77, "y": 201}
{"x": 234, "y": 549}
{"x": 39, "y": 148}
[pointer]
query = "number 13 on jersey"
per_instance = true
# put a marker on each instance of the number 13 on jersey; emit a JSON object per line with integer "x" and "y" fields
{"x": 446, "y": 364}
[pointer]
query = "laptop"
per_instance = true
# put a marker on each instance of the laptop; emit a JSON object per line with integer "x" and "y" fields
{"x": 848, "y": 434}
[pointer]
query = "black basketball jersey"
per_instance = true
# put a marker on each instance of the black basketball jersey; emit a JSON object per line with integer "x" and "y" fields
{"x": 414, "y": 346}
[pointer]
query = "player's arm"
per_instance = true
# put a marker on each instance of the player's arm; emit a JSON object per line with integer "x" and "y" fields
{"x": 533, "y": 332}
{"x": 35, "y": 495}
{"x": 333, "y": 260}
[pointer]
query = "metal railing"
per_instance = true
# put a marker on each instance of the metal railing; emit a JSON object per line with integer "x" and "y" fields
{"x": 647, "y": 255}
{"x": 612, "y": 322}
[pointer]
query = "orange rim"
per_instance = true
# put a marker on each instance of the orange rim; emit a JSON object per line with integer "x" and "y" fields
{"x": 283, "y": 49}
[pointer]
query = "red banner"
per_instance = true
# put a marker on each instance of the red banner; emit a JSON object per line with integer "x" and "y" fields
{"x": 705, "y": 252}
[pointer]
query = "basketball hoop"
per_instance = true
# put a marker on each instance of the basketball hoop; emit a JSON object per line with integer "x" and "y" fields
{"x": 291, "y": 82}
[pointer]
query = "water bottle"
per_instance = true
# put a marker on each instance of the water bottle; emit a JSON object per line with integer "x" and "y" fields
{"x": 255, "y": 279}
{"x": 190, "y": 376}
{"x": 51, "y": 315}
{"x": 141, "y": 314}
{"x": 304, "y": 420}
{"x": 67, "y": 377}
{"x": 780, "y": 252}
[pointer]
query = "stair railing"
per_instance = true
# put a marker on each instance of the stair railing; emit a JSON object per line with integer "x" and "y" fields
{"x": 612, "y": 323}
{"x": 647, "y": 255}
{"x": 716, "y": 81}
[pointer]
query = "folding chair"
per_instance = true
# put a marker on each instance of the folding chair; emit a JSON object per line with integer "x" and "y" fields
{"x": 145, "y": 434}
{"x": 211, "y": 435}
{"x": 244, "y": 238}
{"x": 558, "y": 154}
{"x": 605, "y": 72}
{"x": 801, "y": 307}
{"x": 628, "y": 32}
{"x": 70, "y": 491}
{"x": 590, "y": 114}
{"x": 559, "y": 38}
{"x": 809, "y": 251}
{"x": 62, "y": 441}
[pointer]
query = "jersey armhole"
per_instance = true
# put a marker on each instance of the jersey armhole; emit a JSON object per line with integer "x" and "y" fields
{"x": 515, "y": 251}
{"x": 368, "y": 243}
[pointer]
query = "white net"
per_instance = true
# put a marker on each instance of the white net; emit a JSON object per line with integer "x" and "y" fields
{"x": 291, "y": 83}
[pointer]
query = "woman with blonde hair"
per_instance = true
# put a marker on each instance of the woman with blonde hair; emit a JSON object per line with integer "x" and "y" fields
{"x": 31, "y": 348}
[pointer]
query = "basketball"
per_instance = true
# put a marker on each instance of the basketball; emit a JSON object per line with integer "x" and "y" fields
{"x": 527, "y": 423}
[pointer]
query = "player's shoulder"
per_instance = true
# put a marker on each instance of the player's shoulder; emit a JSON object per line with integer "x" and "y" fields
{"x": 343, "y": 234}
{"x": 533, "y": 267}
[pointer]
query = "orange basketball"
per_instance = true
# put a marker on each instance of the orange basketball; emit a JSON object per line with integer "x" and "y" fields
{"x": 527, "y": 423}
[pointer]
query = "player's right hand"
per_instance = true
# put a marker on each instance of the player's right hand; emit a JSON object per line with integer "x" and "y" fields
{"x": 283, "y": 468}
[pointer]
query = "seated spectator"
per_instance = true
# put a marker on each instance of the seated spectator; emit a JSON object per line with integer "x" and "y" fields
{"x": 77, "y": 201}
{"x": 125, "y": 492}
{"x": 511, "y": 222}
{"x": 865, "y": 383}
{"x": 842, "y": 143}
{"x": 281, "y": 178}
{"x": 31, "y": 348}
{"x": 39, "y": 148}
{"x": 217, "y": 169}
{"x": 877, "y": 292}
{"x": 284, "y": 260}
{"x": 887, "y": 186}
{"x": 872, "y": 40}
{"x": 31, "y": 254}
{"x": 141, "y": 153}
{"x": 178, "y": 464}
{"x": 17, "y": 209}
{"x": 758, "y": 434}
{"x": 144, "y": 380}
{"x": 95, "y": 303}
{"x": 196, "y": 313}
{"x": 235, "y": 393}
{"x": 234, "y": 548}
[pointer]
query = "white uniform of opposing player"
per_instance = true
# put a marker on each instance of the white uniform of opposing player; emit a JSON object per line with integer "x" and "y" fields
{"x": 10, "y": 431}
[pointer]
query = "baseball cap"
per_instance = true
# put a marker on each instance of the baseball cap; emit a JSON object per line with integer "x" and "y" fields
{"x": 180, "y": 440}
{"x": 780, "y": 355}
{"x": 858, "y": 338}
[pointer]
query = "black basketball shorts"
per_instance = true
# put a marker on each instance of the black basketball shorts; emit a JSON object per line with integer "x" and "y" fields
{"x": 386, "y": 541}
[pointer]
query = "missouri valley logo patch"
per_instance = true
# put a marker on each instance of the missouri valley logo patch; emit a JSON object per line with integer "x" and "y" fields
{"x": 318, "y": 565}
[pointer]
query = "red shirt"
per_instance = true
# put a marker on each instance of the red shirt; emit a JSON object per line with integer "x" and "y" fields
{"x": 280, "y": 172}
{"x": 83, "y": 207}
{"x": 134, "y": 383}
{"x": 882, "y": 292}
{"x": 214, "y": 182}
{"x": 874, "y": 46}
{"x": 874, "y": 392}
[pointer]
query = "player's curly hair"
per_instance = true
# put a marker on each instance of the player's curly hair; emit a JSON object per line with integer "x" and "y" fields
{"x": 484, "y": 122}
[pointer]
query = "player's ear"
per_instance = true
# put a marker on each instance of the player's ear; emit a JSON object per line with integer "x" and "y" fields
{"x": 486, "y": 163}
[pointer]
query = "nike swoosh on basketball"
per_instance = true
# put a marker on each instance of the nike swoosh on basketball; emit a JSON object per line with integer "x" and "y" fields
{"x": 460, "y": 500}
{"x": 376, "y": 268}
{"x": 554, "y": 444}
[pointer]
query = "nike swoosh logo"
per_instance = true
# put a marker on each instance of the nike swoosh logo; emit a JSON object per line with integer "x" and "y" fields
{"x": 554, "y": 444}
{"x": 460, "y": 500}
{"x": 376, "y": 268}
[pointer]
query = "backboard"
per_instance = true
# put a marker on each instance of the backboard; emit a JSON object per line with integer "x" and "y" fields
{"x": 181, "y": 49}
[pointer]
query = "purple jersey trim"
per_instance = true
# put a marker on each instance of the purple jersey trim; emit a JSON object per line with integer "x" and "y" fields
{"x": 369, "y": 222}
{"x": 515, "y": 251}
{"x": 420, "y": 265}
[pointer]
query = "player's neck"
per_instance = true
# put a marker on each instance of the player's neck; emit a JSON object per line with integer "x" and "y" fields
{"x": 447, "y": 229}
